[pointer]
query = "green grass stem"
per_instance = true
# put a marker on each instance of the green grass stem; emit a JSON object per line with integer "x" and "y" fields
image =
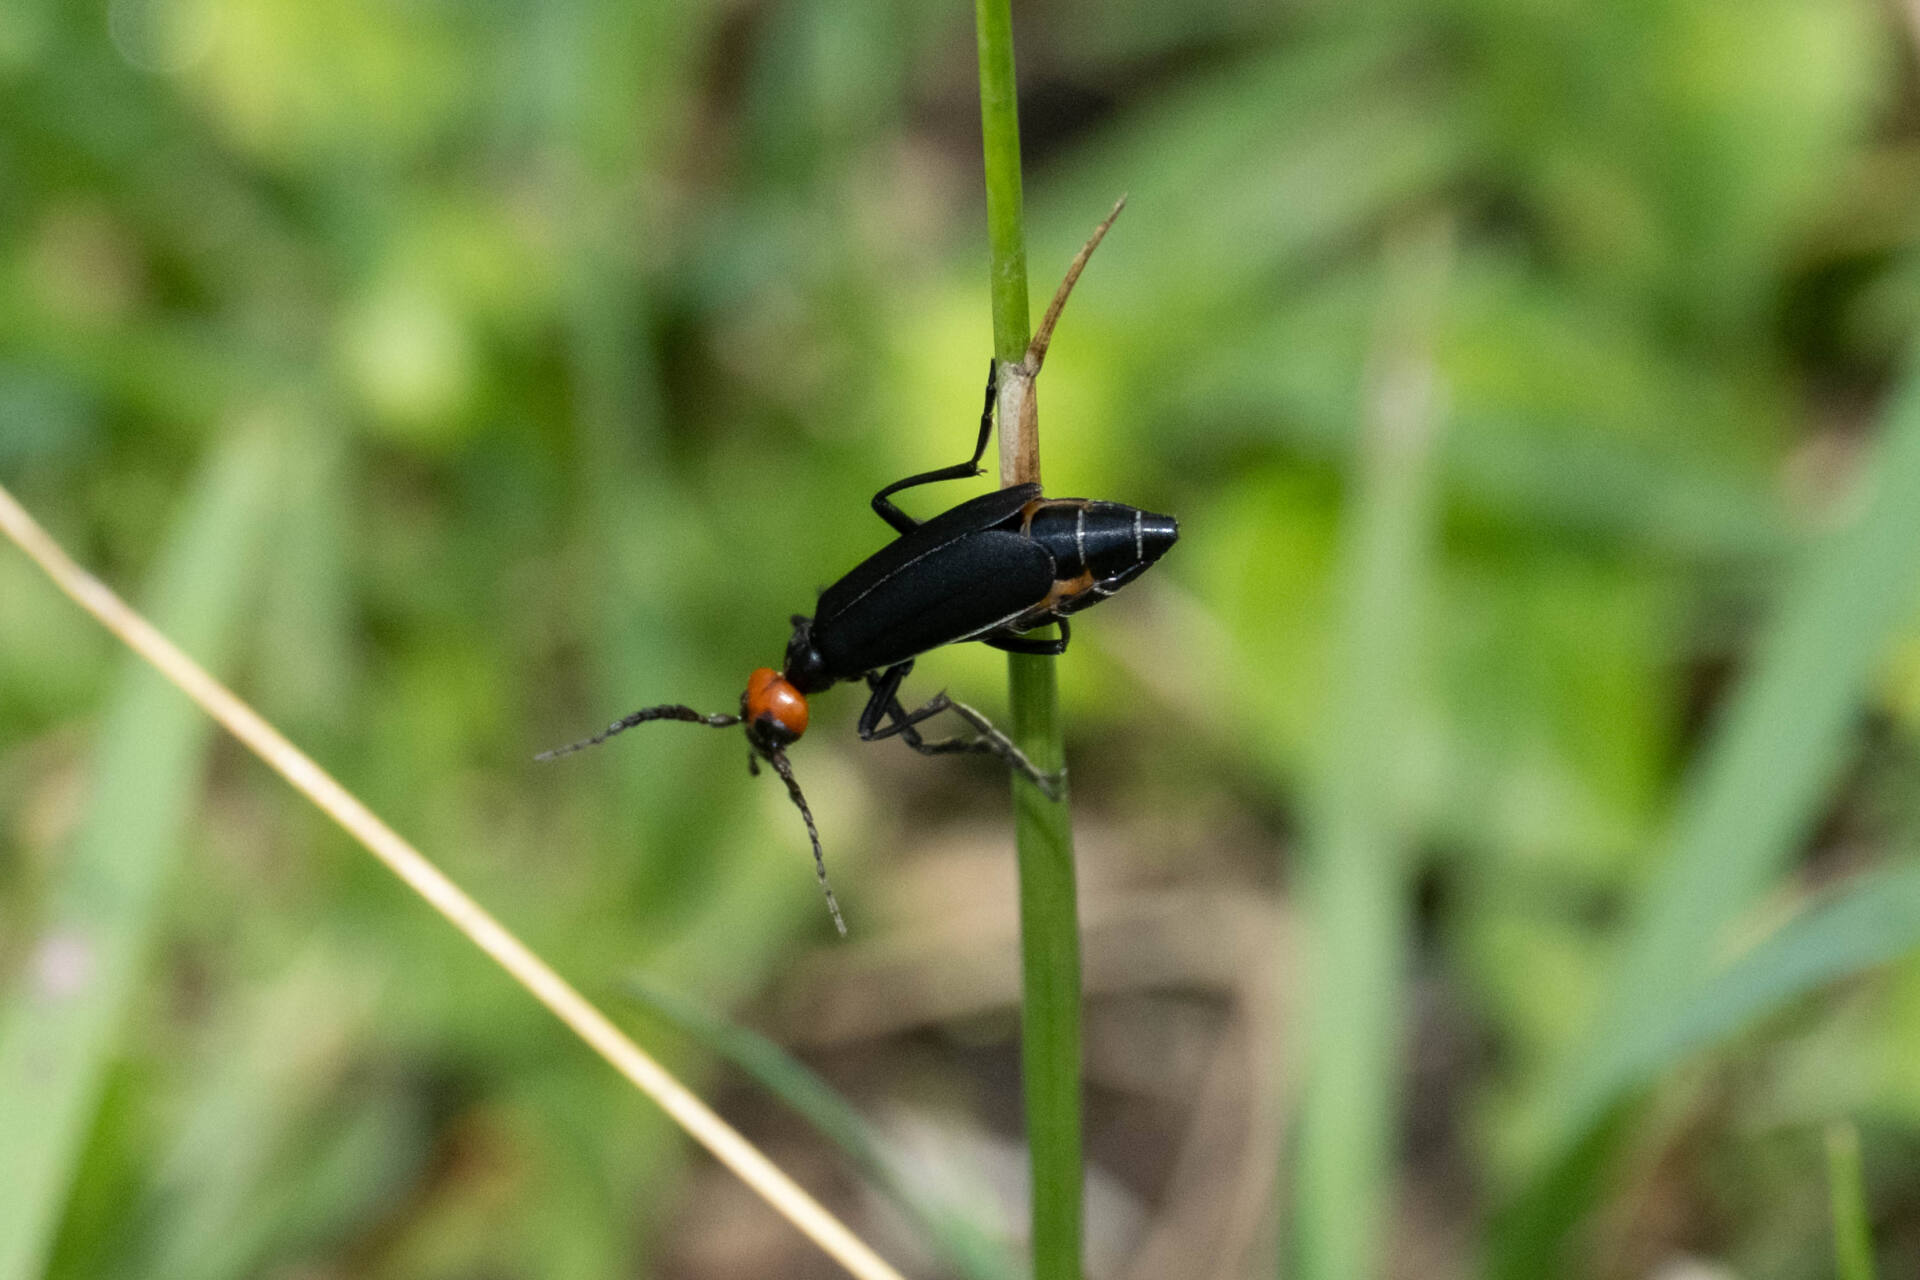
{"x": 1043, "y": 830}
{"x": 1852, "y": 1240}
{"x": 1050, "y": 976}
{"x": 1006, "y": 214}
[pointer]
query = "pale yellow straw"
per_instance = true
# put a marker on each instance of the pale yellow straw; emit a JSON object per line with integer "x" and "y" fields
{"x": 466, "y": 915}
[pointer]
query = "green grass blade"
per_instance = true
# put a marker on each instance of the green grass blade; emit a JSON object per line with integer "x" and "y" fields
{"x": 265, "y": 1116}
{"x": 1533, "y": 1227}
{"x": 1758, "y": 789}
{"x": 1357, "y": 887}
{"x": 968, "y": 1248}
{"x": 1868, "y": 922}
{"x": 1852, "y": 1241}
{"x": 57, "y": 1030}
{"x": 1766, "y": 771}
{"x": 1043, "y": 831}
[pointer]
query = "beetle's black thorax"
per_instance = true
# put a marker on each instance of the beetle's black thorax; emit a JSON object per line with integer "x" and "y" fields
{"x": 805, "y": 669}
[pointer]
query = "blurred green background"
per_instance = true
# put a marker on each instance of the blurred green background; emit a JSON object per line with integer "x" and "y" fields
{"x": 458, "y": 377}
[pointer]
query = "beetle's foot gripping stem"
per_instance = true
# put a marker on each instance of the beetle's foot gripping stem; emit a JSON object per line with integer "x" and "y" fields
{"x": 672, "y": 711}
{"x": 986, "y": 739}
{"x": 1052, "y": 785}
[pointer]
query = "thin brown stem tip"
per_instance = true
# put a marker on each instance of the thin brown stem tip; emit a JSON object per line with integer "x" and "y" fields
{"x": 1037, "y": 349}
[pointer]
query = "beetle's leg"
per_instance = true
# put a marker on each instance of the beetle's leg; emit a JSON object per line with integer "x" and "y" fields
{"x": 1008, "y": 642}
{"x": 903, "y": 722}
{"x": 669, "y": 712}
{"x": 886, "y": 690}
{"x": 987, "y": 739}
{"x": 900, "y": 520}
{"x": 1052, "y": 785}
{"x": 885, "y": 704}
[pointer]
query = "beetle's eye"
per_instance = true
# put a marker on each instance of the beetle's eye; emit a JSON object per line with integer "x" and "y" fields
{"x": 770, "y": 701}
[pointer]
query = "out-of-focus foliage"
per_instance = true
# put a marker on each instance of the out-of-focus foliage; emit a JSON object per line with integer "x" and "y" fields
{"x": 102, "y": 902}
{"x": 588, "y": 330}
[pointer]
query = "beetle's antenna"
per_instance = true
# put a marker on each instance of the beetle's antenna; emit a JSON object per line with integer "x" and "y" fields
{"x": 1037, "y": 349}
{"x": 778, "y": 759}
{"x": 672, "y": 711}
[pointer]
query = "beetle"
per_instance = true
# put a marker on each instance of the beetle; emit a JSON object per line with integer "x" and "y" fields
{"x": 990, "y": 569}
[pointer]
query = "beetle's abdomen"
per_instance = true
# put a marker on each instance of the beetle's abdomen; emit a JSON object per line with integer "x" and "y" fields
{"x": 1097, "y": 547}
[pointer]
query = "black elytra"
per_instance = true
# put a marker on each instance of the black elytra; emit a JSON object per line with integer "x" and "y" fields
{"x": 990, "y": 569}
{"x": 998, "y": 565}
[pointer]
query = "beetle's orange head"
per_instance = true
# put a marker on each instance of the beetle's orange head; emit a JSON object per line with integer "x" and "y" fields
{"x": 775, "y": 711}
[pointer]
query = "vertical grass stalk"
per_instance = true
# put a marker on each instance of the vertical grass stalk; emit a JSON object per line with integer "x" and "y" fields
{"x": 1852, "y": 1239}
{"x": 1358, "y": 887}
{"x": 1043, "y": 830}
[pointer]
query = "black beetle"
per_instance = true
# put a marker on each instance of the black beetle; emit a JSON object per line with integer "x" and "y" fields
{"x": 990, "y": 569}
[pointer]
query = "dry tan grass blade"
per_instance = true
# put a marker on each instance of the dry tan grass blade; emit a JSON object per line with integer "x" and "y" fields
{"x": 466, "y": 915}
